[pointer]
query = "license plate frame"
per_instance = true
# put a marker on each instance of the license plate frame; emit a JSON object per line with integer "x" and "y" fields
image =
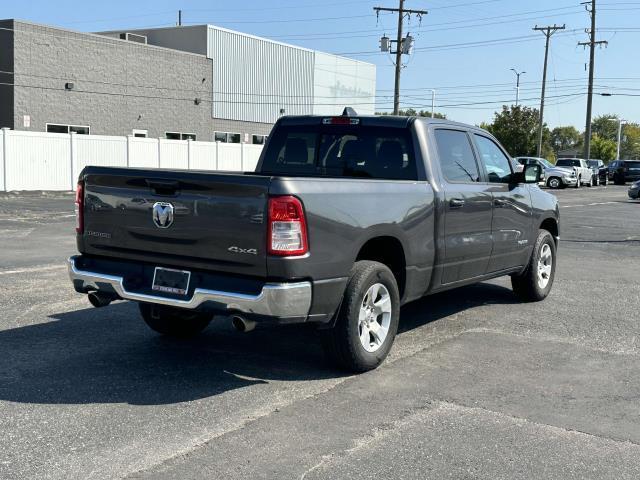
{"x": 171, "y": 281}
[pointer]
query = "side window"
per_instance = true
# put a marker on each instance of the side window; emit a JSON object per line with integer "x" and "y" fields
{"x": 456, "y": 156}
{"x": 495, "y": 162}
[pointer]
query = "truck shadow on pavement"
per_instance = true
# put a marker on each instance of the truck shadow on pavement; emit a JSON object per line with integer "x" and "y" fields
{"x": 108, "y": 355}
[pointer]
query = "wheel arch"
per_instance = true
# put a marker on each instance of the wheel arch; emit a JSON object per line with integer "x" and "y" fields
{"x": 550, "y": 224}
{"x": 388, "y": 250}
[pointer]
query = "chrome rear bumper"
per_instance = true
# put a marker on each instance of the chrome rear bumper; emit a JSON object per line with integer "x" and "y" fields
{"x": 280, "y": 300}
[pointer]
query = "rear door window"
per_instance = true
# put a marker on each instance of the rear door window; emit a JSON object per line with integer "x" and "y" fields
{"x": 457, "y": 161}
{"x": 341, "y": 151}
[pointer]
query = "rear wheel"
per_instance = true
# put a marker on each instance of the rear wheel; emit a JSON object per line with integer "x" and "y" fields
{"x": 604, "y": 181}
{"x": 174, "y": 322}
{"x": 535, "y": 283}
{"x": 368, "y": 319}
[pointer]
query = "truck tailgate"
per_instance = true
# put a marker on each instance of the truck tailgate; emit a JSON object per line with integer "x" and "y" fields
{"x": 198, "y": 220}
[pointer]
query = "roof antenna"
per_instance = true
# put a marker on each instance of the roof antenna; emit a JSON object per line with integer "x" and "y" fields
{"x": 349, "y": 112}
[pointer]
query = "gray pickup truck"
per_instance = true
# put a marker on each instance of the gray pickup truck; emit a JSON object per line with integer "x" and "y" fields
{"x": 345, "y": 219}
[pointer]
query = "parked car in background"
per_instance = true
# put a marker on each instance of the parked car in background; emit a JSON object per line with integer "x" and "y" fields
{"x": 600, "y": 172}
{"x": 634, "y": 190}
{"x": 622, "y": 171}
{"x": 583, "y": 171}
{"x": 553, "y": 176}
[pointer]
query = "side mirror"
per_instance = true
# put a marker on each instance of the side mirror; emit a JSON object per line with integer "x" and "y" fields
{"x": 532, "y": 173}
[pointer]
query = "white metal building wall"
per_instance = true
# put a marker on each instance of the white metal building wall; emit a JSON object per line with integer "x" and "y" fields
{"x": 250, "y": 79}
{"x": 339, "y": 82}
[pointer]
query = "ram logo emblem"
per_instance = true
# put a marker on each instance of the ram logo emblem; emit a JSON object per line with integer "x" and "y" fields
{"x": 162, "y": 214}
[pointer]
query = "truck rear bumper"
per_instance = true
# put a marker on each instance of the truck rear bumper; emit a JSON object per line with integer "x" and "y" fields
{"x": 285, "y": 302}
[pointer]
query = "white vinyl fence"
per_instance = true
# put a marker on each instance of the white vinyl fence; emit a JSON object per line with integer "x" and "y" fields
{"x": 53, "y": 161}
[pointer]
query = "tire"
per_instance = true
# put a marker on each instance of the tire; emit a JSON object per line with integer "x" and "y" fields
{"x": 617, "y": 180}
{"x": 174, "y": 322}
{"x": 590, "y": 184}
{"x": 342, "y": 342}
{"x": 579, "y": 182}
{"x": 604, "y": 182}
{"x": 529, "y": 286}
{"x": 554, "y": 182}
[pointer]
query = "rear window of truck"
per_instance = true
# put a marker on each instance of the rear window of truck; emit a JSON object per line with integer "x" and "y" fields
{"x": 341, "y": 151}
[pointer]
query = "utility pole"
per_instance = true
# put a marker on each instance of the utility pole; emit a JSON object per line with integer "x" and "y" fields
{"x": 620, "y": 123}
{"x": 517, "y": 83}
{"x": 179, "y": 18}
{"x": 547, "y": 31}
{"x": 433, "y": 102}
{"x": 402, "y": 45}
{"x": 592, "y": 53}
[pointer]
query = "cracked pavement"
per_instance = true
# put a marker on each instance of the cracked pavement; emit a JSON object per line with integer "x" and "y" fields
{"x": 477, "y": 385}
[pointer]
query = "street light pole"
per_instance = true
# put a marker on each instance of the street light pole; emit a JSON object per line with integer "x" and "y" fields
{"x": 433, "y": 102}
{"x": 620, "y": 123}
{"x": 517, "y": 83}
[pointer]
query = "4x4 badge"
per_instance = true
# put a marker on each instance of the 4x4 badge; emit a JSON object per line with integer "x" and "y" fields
{"x": 250, "y": 251}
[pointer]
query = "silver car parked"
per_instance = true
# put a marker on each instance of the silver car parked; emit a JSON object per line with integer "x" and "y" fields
{"x": 553, "y": 177}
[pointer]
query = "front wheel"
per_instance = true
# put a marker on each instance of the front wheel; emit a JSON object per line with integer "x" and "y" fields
{"x": 579, "y": 182}
{"x": 368, "y": 319}
{"x": 174, "y": 322}
{"x": 590, "y": 184}
{"x": 534, "y": 284}
{"x": 554, "y": 182}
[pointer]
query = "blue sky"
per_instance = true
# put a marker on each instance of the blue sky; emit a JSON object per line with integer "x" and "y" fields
{"x": 464, "y": 49}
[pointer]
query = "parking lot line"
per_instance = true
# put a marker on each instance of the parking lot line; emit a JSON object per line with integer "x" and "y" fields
{"x": 32, "y": 269}
{"x": 586, "y": 204}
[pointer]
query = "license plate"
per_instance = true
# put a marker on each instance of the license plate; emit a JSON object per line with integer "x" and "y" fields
{"x": 171, "y": 281}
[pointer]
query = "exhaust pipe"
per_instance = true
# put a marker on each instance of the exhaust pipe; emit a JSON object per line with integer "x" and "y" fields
{"x": 242, "y": 324}
{"x": 98, "y": 299}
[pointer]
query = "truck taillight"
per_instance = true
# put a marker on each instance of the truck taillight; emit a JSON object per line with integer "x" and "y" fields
{"x": 80, "y": 207}
{"x": 287, "y": 235}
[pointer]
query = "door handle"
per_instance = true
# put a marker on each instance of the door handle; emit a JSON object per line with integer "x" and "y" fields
{"x": 498, "y": 202}
{"x": 456, "y": 203}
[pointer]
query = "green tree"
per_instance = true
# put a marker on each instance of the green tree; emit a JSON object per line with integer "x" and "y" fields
{"x": 605, "y": 126}
{"x": 603, "y": 148}
{"x": 563, "y": 138}
{"x": 516, "y": 127}
{"x": 630, "y": 147}
{"x": 412, "y": 112}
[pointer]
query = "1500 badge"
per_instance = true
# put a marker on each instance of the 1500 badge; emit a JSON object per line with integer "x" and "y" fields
{"x": 249, "y": 251}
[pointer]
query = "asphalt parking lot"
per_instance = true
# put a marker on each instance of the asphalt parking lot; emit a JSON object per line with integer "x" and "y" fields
{"x": 477, "y": 384}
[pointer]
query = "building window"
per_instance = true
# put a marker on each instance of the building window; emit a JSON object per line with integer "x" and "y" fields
{"x": 226, "y": 137}
{"x": 258, "y": 139}
{"x": 58, "y": 128}
{"x": 140, "y": 133}
{"x": 180, "y": 136}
